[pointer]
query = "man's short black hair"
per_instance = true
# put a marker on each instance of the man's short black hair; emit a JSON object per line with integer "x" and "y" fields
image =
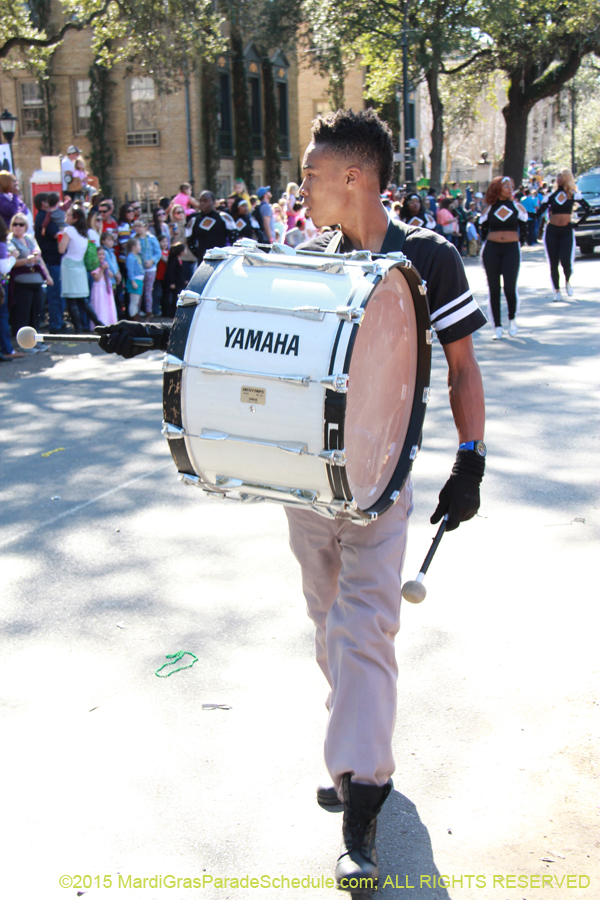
{"x": 361, "y": 136}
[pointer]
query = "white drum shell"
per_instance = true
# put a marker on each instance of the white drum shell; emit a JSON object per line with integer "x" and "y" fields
{"x": 292, "y": 413}
{"x": 252, "y": 418}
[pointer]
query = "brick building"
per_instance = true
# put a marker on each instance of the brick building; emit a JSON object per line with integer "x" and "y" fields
{"x": 156, "y": 139}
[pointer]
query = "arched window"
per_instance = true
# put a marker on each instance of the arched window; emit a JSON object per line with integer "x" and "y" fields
{"x": 255, "y": 97}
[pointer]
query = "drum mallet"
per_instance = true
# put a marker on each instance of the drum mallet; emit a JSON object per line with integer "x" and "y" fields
{"x": 415, "y": 591}
{"x": 28, "y": 337}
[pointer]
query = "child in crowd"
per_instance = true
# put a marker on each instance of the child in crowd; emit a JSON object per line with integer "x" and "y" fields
{"x": 174, "y": 280}
{"x": 102, "y": 299}
{"x": 158, "y": 291}
{"x": 135, "y": 276}
{"x": 81, "y": 173}
{"x": 57, "y": 212}
{"x": 107, "y": 242}
{"x": 472, "y": 237}
{"x": 184, "y": 198}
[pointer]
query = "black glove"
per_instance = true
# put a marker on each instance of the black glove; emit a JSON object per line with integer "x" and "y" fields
{"x": 460, "y": 495}
{"x": 119, "y": 338}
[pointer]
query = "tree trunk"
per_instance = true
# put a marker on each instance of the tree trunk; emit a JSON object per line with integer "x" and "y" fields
{"x": 244, "y": 161}
{"x": 210, "y": 124}
{"x": 516, "y": 112}
{"x": 437, "y": 132}
{"x": 272, "y": 157}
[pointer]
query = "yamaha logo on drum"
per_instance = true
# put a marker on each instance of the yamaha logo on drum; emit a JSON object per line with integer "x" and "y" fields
{"x": 254, "y": 340}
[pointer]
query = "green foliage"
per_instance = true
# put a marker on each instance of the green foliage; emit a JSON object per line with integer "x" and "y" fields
{"x": 100, "y": 153}
{"x": 157, "y": 36}
{"x": 587, "y": 123}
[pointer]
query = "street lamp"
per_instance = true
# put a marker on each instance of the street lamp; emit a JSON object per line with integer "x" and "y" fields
{"x": 8, "y": 124}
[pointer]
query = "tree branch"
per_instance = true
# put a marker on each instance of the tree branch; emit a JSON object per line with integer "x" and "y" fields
{"x": 467, "y": 63}
{"x": 20, "y": 41}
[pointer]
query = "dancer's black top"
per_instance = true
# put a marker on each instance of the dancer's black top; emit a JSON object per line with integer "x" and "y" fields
{"x": 560, "y": 202}
{"x": 503, "y": 215}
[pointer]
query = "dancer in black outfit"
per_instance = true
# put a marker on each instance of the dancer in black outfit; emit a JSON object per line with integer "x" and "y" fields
{"x": 413, "y": 213}
{"x": 500, "y": 222}
{"x": 559, "y": 237}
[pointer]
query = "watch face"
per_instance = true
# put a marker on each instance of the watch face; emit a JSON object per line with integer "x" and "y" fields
{"x": 480, "y": 448}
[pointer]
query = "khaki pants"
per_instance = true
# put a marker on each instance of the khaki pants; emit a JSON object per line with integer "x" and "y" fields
{"x": 352, "y": 578}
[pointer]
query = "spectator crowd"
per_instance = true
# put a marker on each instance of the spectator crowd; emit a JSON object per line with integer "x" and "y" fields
{"x": 77, "y": 260}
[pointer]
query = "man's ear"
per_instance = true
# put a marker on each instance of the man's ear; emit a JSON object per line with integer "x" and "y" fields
{"x": 354, "y": 176}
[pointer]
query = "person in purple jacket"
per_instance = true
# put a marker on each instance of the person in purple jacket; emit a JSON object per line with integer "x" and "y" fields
{"x": 10, "y": 201}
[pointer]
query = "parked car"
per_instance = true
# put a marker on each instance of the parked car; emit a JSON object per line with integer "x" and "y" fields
{"x": 587, "y": 228}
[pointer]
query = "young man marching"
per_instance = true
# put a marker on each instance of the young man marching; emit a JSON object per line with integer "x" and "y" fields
{"x": 351, "y": 575}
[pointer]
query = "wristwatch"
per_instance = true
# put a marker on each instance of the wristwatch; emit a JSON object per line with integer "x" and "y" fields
{"x": 478, "y": 446}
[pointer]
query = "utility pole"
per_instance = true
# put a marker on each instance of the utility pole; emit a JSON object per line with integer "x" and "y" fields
{"x": 408, "y": 156}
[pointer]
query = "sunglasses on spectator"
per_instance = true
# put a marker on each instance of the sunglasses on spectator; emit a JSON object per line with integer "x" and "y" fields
{"x": 19, "y": 224}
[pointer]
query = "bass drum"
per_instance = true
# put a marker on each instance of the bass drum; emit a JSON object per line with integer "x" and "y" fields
{"x": 297, "y": 377}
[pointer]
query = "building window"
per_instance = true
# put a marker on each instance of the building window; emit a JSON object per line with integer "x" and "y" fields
{"x": 32, "y": 107}
{"x": 321, "y": 107}
{"x": 81, "y": 105}
{"x": 225, "y": 121}
{"x": 255, "y": 116}
{"x": 147, "y": 191}
{"x": 142, "y": 104}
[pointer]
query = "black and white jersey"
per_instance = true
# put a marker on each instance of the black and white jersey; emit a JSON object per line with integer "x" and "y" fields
{"x": 453, "y": 311}
{"x": 560, "y": 202}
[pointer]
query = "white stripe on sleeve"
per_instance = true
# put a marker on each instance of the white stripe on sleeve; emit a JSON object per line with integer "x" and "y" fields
{"x": 461, "y": 313}
{"x": 443, "y": 309}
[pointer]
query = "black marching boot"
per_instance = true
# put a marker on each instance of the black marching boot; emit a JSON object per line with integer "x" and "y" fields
{"x": 357, "y": 868}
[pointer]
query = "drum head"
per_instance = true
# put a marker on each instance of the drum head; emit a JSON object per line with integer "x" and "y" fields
{"x": 381, "y": 388}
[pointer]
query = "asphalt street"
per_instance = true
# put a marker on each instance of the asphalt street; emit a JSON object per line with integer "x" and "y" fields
{"x": 108, "y": 564}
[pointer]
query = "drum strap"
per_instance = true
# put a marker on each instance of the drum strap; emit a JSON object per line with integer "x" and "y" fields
{"x": 398, "y": 238}
{"x": 334, "y": 244}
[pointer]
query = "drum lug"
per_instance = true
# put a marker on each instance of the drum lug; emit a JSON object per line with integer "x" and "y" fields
{"x": 337, "y": 383}
{"x": 172, "y": 363}
{"x": 333, "y": 457}
{"x": 350, "y": 313}
{"x": 190, "y": 480}
{"x": 423, "y": 288}
{"x": 394, "y": 496}
{"x": 246, "y": 243}
{"x": 426, "y": 394}
{"x": 398, "y": 257}
{"x": 172, "y": 431}
{"x": 218, "y": 252}
{"x": 282, "y": 248}
{"x": 189, "y": 298}
{"x": 429, "y": 336}
{"x": 350, "y": 506}
{"x": 414, "y": 451}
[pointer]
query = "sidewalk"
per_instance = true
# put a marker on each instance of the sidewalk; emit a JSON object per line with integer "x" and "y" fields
{"x": 108, "y": 564}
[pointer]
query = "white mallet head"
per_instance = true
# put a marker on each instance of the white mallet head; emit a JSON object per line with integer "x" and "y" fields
{"x": 26, "y": 337}
{"x": 414, "y": 591}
